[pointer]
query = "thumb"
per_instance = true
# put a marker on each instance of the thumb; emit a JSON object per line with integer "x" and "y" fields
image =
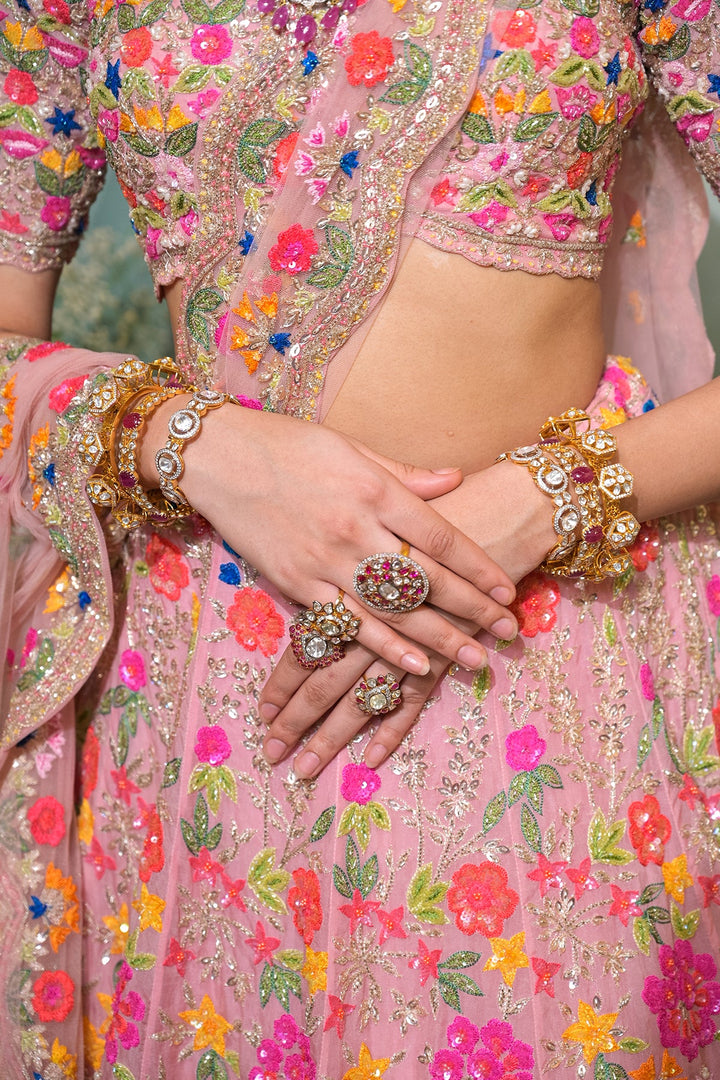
{"x": 425, "y": 483}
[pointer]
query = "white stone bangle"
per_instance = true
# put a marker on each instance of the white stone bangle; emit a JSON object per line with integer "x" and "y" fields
{"x": 183, "y": 426}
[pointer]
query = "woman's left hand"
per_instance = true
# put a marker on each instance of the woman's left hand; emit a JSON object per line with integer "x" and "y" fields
{"x": 499, "y": 508}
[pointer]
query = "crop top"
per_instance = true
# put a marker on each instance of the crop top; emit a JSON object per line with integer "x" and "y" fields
{"x": 294, "y": 169}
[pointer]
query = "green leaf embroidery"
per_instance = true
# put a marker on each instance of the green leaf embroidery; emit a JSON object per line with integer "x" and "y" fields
{"x": 644, "y": 744}
{"x": 676, "y": 47}
{"x": 658, "y": 717}
{"x": 352, "y": 862}
{"x": 340, "y": 245}
{"x": 463, "y": 959}
{"x": 188, "y": 835}
{"x": 206, "y": 300}
{"x": 140, "y": 144}
{"x": 266, "y": 985}
{"x": 326, "y": 276}
{"x": 171, "y": 772}
{"x": 650, "y": 892}
{"x": 322, "y": 825}
{"x": 570, "y": 72}
{"x": 121, "y": 1072}
{"x": 494, "y": 811}
{"x": 481, "y": 684}
{"x": 154, "y": 11}
{"x": 452, "y": 983}
{"x": 250, "y": 164}
{"x": 267, "y": 881}
{"x": 534, "y": 793}
{"x": 423, "y": 896}
{"x": 342, "y": 882}
{"x": 369, "y": 876}
{"x": 227, "y": 10}
{"x": 141, "y": 961}
{"x": 633, "y": 1046}
{"x": 29, "y": 121}
{"x": 7, "y": 115}
{"x": 198, "y": 328}
{"x": 181, "y": 142}
{"x": 290, "y": 958}
{"x": 125, "y": 18}
{"x": 548, "y": 775}
{"x": 33, "y": 61}
{"x": 517, "y": 787}
{"x": 211, "y": 1067}
{"x": 695, "y": 750}
{"x": 362, "y": 827}
{"x": 641, "y": 933}
{"x": 555, "y": 202}
{"x": 603, "y": 840}
{"x": 379, "y": 816}
{"x": 263, "y": 132}
{"x": 193, "y": 78}
{"x": 479, "y": 129}
{"x": 609, "y": 628}
{"x": 48, "y": 180}
{"x": 530, "y": 828}
{"x": 684, "y": 926}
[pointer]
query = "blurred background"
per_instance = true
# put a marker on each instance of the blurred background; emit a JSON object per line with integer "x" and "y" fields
{"x": 106, "y": 301}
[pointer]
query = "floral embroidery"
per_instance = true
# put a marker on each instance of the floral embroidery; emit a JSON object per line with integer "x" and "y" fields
{"x": 535, "y": 604}
{"x": 685, "y": 999}
{"x": 480, "y": 898}
{"x": 255, "y": 621}
{"x": 369, "y": 60}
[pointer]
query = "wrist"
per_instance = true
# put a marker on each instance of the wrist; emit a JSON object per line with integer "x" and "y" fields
{"x": 154, "y": 438}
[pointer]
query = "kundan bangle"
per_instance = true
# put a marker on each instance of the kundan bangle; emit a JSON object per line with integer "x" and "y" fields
{"x": 595, "y": 546}
{"x": 183, "y": 426}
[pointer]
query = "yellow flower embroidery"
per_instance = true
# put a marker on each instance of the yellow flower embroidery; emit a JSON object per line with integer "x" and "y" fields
{"x": 669, "y": 1070}
{"x": 66, "y": 921}
{"x": 120, "y": 926}
{"x": 59, "y": 1055}
{"x": 314, "y": 970}
{"x": 7, "y": 409}
{"x": 93, "y": 1044}
{"x": 592, "y": 1032}
{"x": 210, "y": 1027}
{"x": 508, "y": 956}
{"x": 367, "y": 1068}
{"x": 150, "y": 909}
{"x": 85, "y": 821}
{"x": 541, "y": 103}
{"x": 30, "y": 41}
{"x": 56, "y": 595}
{"x": 676, "y": 877}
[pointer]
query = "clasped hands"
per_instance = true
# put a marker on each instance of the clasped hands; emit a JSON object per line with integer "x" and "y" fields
{"x": 305, "y": 505}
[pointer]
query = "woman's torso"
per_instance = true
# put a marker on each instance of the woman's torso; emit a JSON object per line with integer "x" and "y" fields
{"x": 456, "y": 360}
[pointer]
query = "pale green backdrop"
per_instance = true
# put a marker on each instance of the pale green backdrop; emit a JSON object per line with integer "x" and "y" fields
{"x": 106, "y": 300}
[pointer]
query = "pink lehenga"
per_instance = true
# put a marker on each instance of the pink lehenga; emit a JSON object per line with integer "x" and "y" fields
{"x": 530, "y": 884}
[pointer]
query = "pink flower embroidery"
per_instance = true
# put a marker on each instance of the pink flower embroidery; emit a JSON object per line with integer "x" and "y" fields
{"x": 524, "y": 748}
{"x": 490, "y": 216}
{"x": 584, "y": 37}
{"x": 56, "y": 212}
{"x": 623, "y": 904}
{"x": 447, "y": 1065}
{"x": 685, "y": 1000}
{"x": 294, "y": 250}
{"x": 359, "y": 783}
{"x": 108, "y": 123}
{"x": 212, "y": 745}
{"x": 575, "y": 100}
{"x": 647, "y": 683}
{"x": 480, "y": 899}
{"x": 695, "y": 128}
{"x": 46, "y": 817}
{"x": 535, "y": 603}
{"x": 712, "y": 591}
{"x": 501, "y": 1055}
{"x": 462, "y": 1035}
{"x": 60, "y": 396}
{"x": 560, "y": 225}
{"x": 649, "y": 830}
{"x": 132, "y": 669}
{"x": 211, "y": 44}
{"x": 169, "y": 572}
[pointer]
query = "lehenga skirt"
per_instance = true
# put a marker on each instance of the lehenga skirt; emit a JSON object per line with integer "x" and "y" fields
{"x": 530, "y": 885}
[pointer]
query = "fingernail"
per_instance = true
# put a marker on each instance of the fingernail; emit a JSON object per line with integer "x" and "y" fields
{"x": 268, "y": 711}
{"x": 306, "y": 765}
{"x": 274, "y": 750}
{"x": 415, "y": 664}
{"x": 501, "y": 594}
{"x": 444, "y": 472}
{"x": 504, "y": 628}
{"x": 374, "y": 755}
{"x": 471, "y": 657}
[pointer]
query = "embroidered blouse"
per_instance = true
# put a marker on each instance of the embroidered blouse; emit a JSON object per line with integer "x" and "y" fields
{"x": 522, "y": 177}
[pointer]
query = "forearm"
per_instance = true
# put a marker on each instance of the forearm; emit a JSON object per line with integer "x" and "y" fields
{"x": 673, "y": 453}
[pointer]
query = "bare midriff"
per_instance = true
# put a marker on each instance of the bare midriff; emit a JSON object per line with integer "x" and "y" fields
{"x": 463, "y": 361}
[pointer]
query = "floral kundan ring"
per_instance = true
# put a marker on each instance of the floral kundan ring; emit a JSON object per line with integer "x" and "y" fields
{"x": 378, "y": 695}
{"x": 391, "y": 582}
{"x": 318, "y": 634}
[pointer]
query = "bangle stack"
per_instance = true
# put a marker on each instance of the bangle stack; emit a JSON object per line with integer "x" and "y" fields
{"x": 121, "y": 402}
{"x": 574, "y": 468}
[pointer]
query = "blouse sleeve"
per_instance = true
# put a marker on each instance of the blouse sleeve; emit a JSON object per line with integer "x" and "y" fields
{"x": 680, "y": 43}
{"x": 51, "y": 167}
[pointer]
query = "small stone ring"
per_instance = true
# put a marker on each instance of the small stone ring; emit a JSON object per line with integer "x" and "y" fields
{"x": 391, "y": 582}
{"x": 379, "y": 695}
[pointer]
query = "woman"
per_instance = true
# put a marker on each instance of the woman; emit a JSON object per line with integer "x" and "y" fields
{"x": 529, "y": 883}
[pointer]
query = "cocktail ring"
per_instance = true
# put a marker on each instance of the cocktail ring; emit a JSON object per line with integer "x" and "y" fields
{"x": 379, "y": 695}
{"x": 391, "y": 582}
{"x": 318, "y": 634}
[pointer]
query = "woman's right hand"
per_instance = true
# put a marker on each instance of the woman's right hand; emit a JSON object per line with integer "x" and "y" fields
{"x": 304, "y": 505}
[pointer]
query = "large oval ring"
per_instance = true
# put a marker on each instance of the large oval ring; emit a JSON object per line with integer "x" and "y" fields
{"x": 390, "y": 581}
{"x": 379, "y": 695}
{"x": 318, "y": 634}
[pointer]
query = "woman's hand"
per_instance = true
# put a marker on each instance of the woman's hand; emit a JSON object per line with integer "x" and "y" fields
{"x": 502, "y": 508}
{"x": 305, "y": 505}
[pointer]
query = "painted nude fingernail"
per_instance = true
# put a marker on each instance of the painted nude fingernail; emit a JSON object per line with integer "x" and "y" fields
{"x": 415, "y": 664}
{"x": 374, "y": 755}
{"x": 274, "y": 750}
{"x": 268, "y": 711}
{"x": 307, "y": 765}
{"x": 501, "y": 594}
{"x": 504, "y": 629}
{"x": 471, "y": 657}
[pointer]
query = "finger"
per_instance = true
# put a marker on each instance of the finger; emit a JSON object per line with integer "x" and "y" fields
{"x": 425, "y": 483}
{"x": 427, "y": 531}
{"x": 393, "y": 728}
{"x": 427, "y": 627}
{"x": 340, "y": 726}
{"x": 318, "y": 693}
